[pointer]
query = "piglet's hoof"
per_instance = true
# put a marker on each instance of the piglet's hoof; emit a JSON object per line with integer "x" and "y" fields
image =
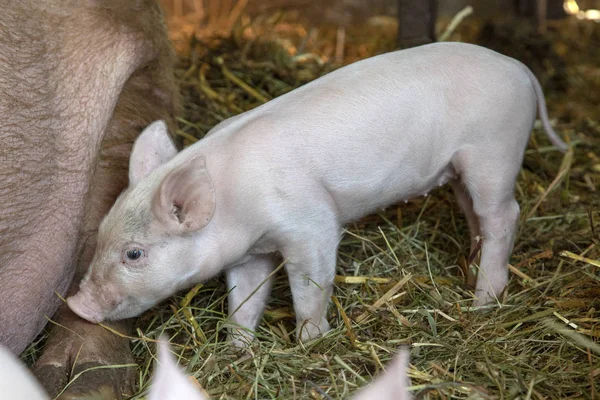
{"x": 485, "y": 298}
{"x": 240, "y": 339}
{"x": 240, "y": 344}
{"x": 311, "y": 331}
{"x": 82, "y": 355}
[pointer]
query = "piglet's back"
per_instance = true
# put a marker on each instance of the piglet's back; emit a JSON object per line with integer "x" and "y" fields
{"x": 445, "y": 90}
{"x": 408, "y": 111}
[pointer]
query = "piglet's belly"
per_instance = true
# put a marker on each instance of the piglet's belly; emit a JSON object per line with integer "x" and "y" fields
{"x": 366, "y": 194}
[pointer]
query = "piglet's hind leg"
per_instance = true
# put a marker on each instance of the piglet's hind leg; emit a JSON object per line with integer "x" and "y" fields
{"x": 490, "y": 182}
{"x": 498, "y": 225}
{"x": 466, "y": 204}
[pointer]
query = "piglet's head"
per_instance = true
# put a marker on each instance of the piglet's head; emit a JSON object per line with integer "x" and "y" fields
{"x": 147, "y": 247}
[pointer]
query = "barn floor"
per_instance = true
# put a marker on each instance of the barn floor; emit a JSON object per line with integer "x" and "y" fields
{"x": 541, "y": 342}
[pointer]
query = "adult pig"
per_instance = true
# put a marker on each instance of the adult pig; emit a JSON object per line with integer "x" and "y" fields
{"x": 79, "y": 79}
{"x": 286, "y": 176}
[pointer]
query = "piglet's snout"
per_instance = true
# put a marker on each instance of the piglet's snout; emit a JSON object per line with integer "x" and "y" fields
{"x": 94, "y": 303}
{"x": 82, "y": 305}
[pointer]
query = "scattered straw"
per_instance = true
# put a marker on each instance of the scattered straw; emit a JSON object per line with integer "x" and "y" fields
{"x": 574, "y": 256}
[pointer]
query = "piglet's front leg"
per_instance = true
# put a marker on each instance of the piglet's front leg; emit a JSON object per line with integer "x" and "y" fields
{"x": 310, "y": 263}
{"x": 249, "y": 287}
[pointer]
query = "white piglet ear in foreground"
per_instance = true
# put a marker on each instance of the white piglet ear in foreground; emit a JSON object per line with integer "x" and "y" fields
{"x": 185, "y": 199}
{"x": 392, "y": 384}
{"x": 169, "y": 381}
{"x": 151, "y": 149}
{"x": 16, "y": 382}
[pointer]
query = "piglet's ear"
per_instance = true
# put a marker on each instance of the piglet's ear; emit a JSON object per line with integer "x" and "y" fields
{"x": 169, "y": 381}
{"x": 16, "y": 381}
{"x": 151, "y": 149}
{"x": 185, "y": 199}
{"x": 392, "y": 384}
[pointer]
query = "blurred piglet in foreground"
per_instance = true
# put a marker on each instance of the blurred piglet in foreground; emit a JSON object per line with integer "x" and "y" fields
{"x": 286, "y": 176}
{"x": 390, "y": 385}
{"x": 16, "y": 382}
{"x": 170, "y": 383}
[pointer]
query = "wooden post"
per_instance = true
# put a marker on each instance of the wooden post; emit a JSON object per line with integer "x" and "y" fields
{"x": 416, "y": 22}
{"x": 555, "y": 9}
{"x": 540, "y": 11}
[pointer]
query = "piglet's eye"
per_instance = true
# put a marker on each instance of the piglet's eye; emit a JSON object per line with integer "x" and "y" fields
{"x": 134, "y": 254}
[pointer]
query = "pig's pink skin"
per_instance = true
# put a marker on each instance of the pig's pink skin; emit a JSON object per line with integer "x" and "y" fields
{"x": 389, "y": 385}
{"x": 79, "y": 79}
{"x": 285, "y": 177}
